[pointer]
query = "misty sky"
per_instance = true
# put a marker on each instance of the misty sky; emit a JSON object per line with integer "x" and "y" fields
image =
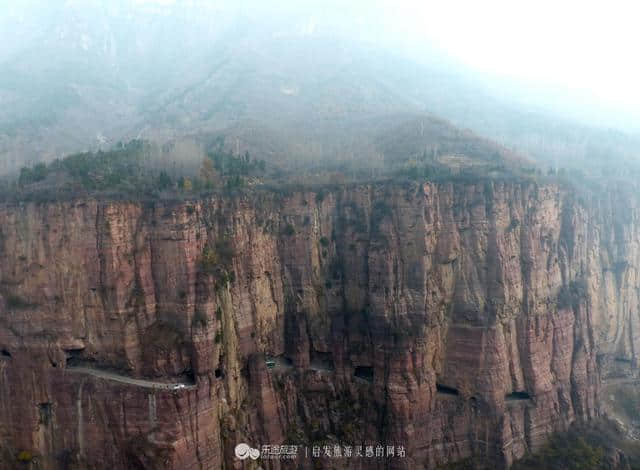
{"x": 590, "y": 47}
{"x": 572, "y": 54}
{"x": 579, "y": 53}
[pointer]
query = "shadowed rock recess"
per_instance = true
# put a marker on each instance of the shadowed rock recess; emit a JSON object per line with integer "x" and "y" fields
{"x": 457, "y": 320}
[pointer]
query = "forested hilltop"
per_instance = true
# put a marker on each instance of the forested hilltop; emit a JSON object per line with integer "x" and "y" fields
{"x": 140, "y": 169}
{"x": 73, "y": 82}
{"x": 421, "y": 148}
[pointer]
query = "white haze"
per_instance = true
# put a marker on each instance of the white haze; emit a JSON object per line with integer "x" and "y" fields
{"x": 580, "y": 55}
{"x": 574, "y": 57}
{"x": 83, "y": 74}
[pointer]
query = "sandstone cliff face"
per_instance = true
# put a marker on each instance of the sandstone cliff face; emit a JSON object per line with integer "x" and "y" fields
{"x": 455, "y": 320}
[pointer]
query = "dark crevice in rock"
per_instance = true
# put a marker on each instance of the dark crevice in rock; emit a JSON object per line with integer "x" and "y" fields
{"x": 519, "y": 395}
{"x": 622, "y": 359}
{"x": 45, "y": 413}
{"x": 189, "y": 376}
{"x": 322, "y": 360}
{"x": 446, "y": 390}
{"x": 364, "y": 373}
{"x": 76, "y": 357}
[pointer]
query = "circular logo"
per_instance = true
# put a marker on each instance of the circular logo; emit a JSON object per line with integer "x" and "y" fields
{"x": 244, "y": 451}
{"x": 254, "y": 454}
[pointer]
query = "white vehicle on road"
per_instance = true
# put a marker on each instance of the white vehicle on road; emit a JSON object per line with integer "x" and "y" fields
{"x": 178, "y": 387}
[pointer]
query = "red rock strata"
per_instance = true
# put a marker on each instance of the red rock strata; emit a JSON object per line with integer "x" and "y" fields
{"x": 456, "y": 320}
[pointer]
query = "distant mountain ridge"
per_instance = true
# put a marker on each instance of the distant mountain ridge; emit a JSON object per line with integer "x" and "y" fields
{"x": 92, "y": 76}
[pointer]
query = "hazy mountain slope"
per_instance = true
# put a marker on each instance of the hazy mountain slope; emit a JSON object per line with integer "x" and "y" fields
{"x": 88, "y": 77}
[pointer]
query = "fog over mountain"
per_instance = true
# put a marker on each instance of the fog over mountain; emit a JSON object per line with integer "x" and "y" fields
{"x": 290, "y": 81}
{"x": 319, "y": 234}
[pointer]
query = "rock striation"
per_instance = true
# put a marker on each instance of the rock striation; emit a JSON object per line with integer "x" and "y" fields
{"x": 455, "y": 320}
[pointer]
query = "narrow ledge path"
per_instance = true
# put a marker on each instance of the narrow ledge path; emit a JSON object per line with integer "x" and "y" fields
{"x": 102, "y": 374}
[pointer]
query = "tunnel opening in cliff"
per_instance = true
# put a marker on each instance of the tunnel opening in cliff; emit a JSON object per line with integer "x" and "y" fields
{"x": 5, "y": 353}
{"x": 364, "y": 373}
{"x": 76, "y": 357}
{"x": 322, "y": 361}
{"x": 278, "y": 362}
{"x": 284, "y": 360}
{"x": 624, "y": 360}
{"x": 446, "y": 390}
{"x": 188, "y": 376}
{"x": 518, "y": 395}
{"x": 44, "y": 410}
{"x": 163, "y": 352}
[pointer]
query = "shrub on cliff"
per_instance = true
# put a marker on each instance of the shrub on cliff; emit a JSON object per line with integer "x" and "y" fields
{"x": 220, "y": 255}
{"x": 208, "y": 260}
{"x": 588, "y": 446}
{"x": 32, "y": 175}
{"x": 217, "y": 261}
{"x": 288, "y": 230}
{"x": 199, "y": 319}
{"x": 24, "y": 456}
{"x": 164, "y": 181}
{"x": 15, "y": 302}
{"x": 118, "y": 168}
{"x": 224, "y": 278}
{"x": 567, "y": 453}
{"x": 228, "y": 164}
{"x": 379, "y": 211}
{"x": 568, "y": 293}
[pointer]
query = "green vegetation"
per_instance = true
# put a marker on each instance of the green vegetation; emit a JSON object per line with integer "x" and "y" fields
{"x": 336, "y": 269}
{"x": 583, "y": 447}
{"x": 228, "y": 164}
{"x": 628, "y": 399}
{"x": 208, "y": 260}
{"x": 15, "y": 302}
{"x": 33, "y": 175}
{"x": 231, "y": 171}
{"x": 586, "y": 446}
{"x": 164, "y": 181}
{"x": 288, "y": 230}
{"x": 199, "y": 319}
{"x": 224, "y": 278}
{"x": 221, "y": 254}
{"x": 139, "y": 169}
{"x": 575, "y": 290}
{"x": 24, "y": 456}
{"x": 217, "y": 261}
{"x": 515, "y": 223}
{"x": 379, "y": 211}
{"x": 120, "y": 168}
{"x": 134, "y": 169}
{"x": 566, "y": 452}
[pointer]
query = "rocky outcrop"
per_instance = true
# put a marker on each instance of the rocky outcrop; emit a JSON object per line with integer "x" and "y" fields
{"x": 457, "y": 321}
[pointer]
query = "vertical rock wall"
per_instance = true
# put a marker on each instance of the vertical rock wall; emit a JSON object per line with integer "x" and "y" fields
{"x": 456, "y": 320}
